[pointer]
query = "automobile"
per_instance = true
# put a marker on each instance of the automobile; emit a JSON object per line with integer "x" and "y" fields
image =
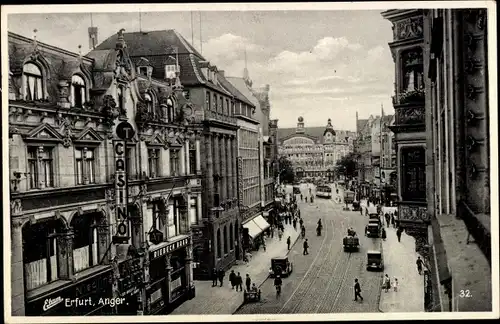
{"x": 281, "y": 266}
{"x": 375, "y": 260}
{"x": 351, "y": 243}
{"x": 373, "y": 229}
{"x": 251, "y": 296}
{"x": 356, "y": 206}
{"x": 296, "y": 190}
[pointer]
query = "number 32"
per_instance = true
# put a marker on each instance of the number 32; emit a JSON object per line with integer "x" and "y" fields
{"x": 465, "y": 294}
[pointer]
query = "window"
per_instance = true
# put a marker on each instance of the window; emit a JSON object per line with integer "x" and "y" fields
{"x": 186, "y": 94}
{"x": 85, "y": 165}
{"x": 169, "y": 113}
{"x": 192, "y": 158}
{"x": 170, "y": 71}
{"x": 177, "y": 210}
{"x": 41, "y": 167}
{"x": 143, "y": 70}
{"x": 218, "y": 244}
{"x": 121, "y": 99}
{"x": 225, "y": 240}
{"x": 220, "y": 108}
{"x": 193, "y": 210}
{"x": 40, "y": 251}
{"x": 233, "y": 107}
{"x": 149, "y": 103}
{"x": 174, "y": 162}
{"x": 207, "y": 100}
{"x": 413, "y": 174}
{"x": 33, "y": 84}
{"x": 154, "y": 162}
{"x": 156, "y": 221}
{"x": 78, "y": 91}
{"x": 226, "y": 110}
{"x": 85, "y": 246}
{"x": 214, "y": 103}
{"x": 231, "y": 237}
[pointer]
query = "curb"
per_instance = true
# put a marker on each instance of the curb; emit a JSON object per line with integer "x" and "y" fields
{"x": 381, "y": 282}
{"x": 263, "y": 281}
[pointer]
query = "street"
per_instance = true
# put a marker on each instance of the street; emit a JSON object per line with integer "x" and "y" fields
{"x": 322, "y": 282}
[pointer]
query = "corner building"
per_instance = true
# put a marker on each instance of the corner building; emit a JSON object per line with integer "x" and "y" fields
{"x": 64, "y": 109}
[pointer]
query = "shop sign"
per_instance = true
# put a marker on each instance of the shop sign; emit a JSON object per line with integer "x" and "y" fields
{"x": 131, "y": 276}
{"x": 122, "y": 233}
{"x": 169, "y": 248}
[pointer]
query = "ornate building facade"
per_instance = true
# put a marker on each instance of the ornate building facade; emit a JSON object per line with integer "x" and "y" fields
{"x": 212, "y": 105}
{"x": 314, "y": 151}
{"x": 93, "y": 215}
{"x": 442, "y": 127}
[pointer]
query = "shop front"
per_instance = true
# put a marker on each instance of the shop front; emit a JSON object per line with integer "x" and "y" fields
{"x": 169, "y": 276}
{"x": 252, "y": 232}
{"x": 89, "y": 296}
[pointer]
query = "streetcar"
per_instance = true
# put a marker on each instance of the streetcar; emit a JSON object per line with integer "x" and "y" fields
{"x": 323, "y": 191}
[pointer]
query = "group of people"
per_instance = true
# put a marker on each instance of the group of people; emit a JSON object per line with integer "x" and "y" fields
{"x": 387, "y": 283}
{"x": 235, "y": 279}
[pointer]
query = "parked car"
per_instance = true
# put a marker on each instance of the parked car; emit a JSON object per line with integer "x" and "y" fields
{"x": 375, "y": 260}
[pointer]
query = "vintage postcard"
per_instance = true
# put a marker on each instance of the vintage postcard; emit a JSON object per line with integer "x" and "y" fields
{"x": 250, "y": 161}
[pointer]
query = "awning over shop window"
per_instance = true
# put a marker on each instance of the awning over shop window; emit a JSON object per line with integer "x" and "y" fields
{"x": 253, "y": 228}
{"x": 261, "y": 222}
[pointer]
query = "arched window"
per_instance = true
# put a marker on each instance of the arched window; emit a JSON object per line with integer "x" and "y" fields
{"x": 231, "y": 237}
{"x": 225, "y": 240}
{"x": 40, "y": 249}
{"x": 218, "y": 244}
{"x": 169, "y": 113}
{"x": 149, "y": 103}
{"x": 33, "y": 82}
{"x": 85, "y": 242}
{"x": 78, "y": 91}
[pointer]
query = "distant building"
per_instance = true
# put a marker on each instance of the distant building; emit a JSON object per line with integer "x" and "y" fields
{"x": 314, "y": 151}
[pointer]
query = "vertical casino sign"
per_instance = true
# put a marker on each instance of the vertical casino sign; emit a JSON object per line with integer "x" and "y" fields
{"x": 125, "y": 132}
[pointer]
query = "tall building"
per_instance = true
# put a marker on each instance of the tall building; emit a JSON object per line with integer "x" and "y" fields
{"x": 94, "y": 215}
{"x": 314, "y": 151}
{"x": 442, "y": 140}
{"x": 363, "y": 151}
{"x": 169, "y": 53}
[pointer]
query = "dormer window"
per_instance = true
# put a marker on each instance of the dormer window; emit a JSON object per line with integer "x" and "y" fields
{"x": 78, "y": 91}
{"x": 170, "y": 71}
{"x": 33, "y": 82}
{"x": 143, "y": 70}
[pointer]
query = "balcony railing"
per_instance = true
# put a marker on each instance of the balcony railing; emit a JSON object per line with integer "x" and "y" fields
{"x": 209, "y": 114}
{"x": 409, "y": 97}
{"x": 410, "y": 115}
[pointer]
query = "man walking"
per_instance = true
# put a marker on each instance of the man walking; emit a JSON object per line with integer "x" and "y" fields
{"x": 248, "y": 282}
{"x": 357, "y": 290}
{"x": 398, "y": 233}
{"x": 214, "y": 277}
{"x": 221, "y": 276}
{"x": 295, "y": 223}
{"x": 232, "y": 279}
{"x": 419, "y": 265}
{"x": 306, "y": 246}
{"x": 288, "y": 242}
{"x": 239, "y": 282}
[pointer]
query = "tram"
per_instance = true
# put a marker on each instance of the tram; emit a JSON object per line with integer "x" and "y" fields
{"x": 323, "y": 191}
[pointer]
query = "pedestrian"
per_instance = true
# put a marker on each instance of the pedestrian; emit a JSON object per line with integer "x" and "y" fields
{"x": 301, "y": 222}
{"x": 221, "y": 276}
{"x": 419, "y": 265}
{"x": 264, "y": 245}
{"x": 295, "y": 223}
{"x": 387, "y": 219}
{"x": 232, "y": 279}
{"x": 214, "y": 277}
{"x": 395, "y": 284}
{"x": 306, "y": 247}
{"x": 398, "y": 233}
{"x": 301, "y": 197}
{"x": 280, "y": 234}
{"x": 305, "y": 199}
{"x": 383, "y": 234}
{"x": 357, "y": 290}
{"x": 239, "y": 282}
{"x": 288, "y": 242}
{"x": 387, "y": 283}
{"x": 248, "y": 282}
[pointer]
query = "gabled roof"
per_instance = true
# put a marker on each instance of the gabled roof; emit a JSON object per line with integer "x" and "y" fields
{"x": 233, "y": 90}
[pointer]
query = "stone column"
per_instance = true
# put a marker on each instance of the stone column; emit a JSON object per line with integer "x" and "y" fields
{"x": 198, "y": 207}
{"x": 103, "y": 241}
{"x": 209, "y": 174}
{"x": 17, "y": 269}
{"x": 229, "y": 164}
{"x": 198, "y": 159}
{"x": 225, "y": 175}
{"x": 234, "y": 149}
{"x": 186, "y": 157}
{"x": 189, "y": 268}
{"x": 217, "y": 169}
{"x": 182, "y": 160}
{"x": 168, "y": 270}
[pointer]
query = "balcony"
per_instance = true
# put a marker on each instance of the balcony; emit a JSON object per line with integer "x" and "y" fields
{"x": 216, "y": 116}
{"x": 409, "y": 109}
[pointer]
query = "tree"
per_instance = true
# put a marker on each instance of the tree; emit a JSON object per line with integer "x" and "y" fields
{"x": 346, "y": 166}
{"x": 286, "y": 174}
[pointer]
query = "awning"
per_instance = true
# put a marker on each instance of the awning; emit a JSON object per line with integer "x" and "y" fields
{"x": 261, "y": 222}
{"x": 253, "y": 228}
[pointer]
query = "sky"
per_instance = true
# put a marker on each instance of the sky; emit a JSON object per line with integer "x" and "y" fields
{"x": 319, "y": 64}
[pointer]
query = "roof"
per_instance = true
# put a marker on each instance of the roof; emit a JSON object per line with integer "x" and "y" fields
{"x": 234, "y": 91}
{"x": 151, "y": 43}
{"x": 239, "y": 83}
{"x": 310, "y": 132}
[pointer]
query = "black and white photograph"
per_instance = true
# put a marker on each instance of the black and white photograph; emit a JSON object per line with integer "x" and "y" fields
{"x": 250, "y": 161}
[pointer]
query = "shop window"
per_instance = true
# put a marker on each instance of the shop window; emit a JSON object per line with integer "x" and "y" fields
{"x": 218, "y": 239}
{"x": 85, "y": 242}
{"x": 231, "y": 237}
{"x": 41, "y": 167}
{"x": 40, "y": 251}
{"x": 225, "y": 240}
{"x": 85, "y": 165}
{"x": 78, "y": 91}
{"x": 174, "y": 162}
{"x": 33, "y": 82}
{"x": 154, "y": 162}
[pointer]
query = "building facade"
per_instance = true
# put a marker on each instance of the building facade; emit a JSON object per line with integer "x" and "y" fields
{"x": 314, "y": 151}
{"x": 91, "y": 213}
{"x": 442, "y": 127}
{"x": 363, "y": 152}
{"x": 213, "y": 106}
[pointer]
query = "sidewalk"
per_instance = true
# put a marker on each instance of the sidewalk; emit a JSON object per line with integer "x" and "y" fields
{"x": 400, "y": 262}
{"x": 224, "y": 300}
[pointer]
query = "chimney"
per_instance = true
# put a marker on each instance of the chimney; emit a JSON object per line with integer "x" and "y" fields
{"x": 93, "y": 41}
